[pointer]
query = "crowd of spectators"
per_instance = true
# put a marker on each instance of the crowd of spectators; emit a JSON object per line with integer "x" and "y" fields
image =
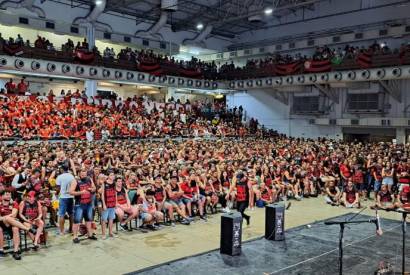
{"x": 165, "y": 182}
{"x": 73, "y": 115}
{"x": 212, "y": 70}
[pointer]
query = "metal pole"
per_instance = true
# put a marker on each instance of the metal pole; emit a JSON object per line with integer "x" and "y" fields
{"x": 403, "y": 260}
{"x": 342, "y": 227}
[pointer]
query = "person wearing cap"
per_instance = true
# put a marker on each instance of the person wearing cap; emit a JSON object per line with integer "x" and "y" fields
{"x": 30, "y": 213}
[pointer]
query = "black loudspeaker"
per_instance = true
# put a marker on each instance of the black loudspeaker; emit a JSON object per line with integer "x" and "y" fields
{"x": 275, "y": 222}
{"x": 231, "y": 234}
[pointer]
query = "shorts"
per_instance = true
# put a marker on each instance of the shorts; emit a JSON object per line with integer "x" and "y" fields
{"x": 6, "y": 229}
{"x": 144, "y": 216}
{"x": 193, "y": 200}
{"x": 66, "y": 205}
{"x": 388, "y": 181}
{"x": 83, "y": 211}
{"x": 108, "y": 214}
{"x": 175, "y": 203}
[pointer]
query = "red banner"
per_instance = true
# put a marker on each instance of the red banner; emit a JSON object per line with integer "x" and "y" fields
{"x": 287, "y": 69}
{"x": 364, "y": 60}
{"x": 13, "y": 49}
{"x": 84, "y": 56}
{"x": 190, "y": 73}
{"x": 312, "y": 66}
{"x": 149, "y": 67}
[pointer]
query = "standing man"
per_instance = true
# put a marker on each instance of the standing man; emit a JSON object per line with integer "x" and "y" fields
{"x": 66, "y": 202}
{"x": 82, "y": 190}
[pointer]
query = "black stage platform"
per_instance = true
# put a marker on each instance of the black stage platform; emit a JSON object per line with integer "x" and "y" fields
{"x": 306, "y": 250}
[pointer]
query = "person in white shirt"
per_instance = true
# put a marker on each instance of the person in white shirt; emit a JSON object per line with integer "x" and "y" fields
{"x": 89, "y": 135}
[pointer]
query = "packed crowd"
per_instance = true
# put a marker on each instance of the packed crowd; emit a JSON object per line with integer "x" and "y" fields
{"x": 320, "y": 54}
{"x": 164, "y": 182}
{"x": 211, "y": 70}
{"x": 96, "y": 119}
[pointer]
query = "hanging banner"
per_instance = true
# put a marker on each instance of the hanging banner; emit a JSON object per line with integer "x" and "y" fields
{"x": 287, "y": 69}
{"x": 84, "y": 56}
{"x": 364, "y": 60}
{"x": 13, "y": 49}
{"x": 312, "y": 66}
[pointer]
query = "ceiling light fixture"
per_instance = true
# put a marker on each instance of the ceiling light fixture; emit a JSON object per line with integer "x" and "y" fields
{"x": 200, "y": 26}
{"x": 98, "y": 2}
{"x": 268, "y": 11}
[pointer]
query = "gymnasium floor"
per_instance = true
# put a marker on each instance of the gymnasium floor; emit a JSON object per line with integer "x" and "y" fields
{"x": 132, "y": 251}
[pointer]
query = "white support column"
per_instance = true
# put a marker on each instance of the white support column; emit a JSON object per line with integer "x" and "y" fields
{"x": 400, "y": 135}
{"x": 90, "y": 31}
{"x": 90, "y": 88}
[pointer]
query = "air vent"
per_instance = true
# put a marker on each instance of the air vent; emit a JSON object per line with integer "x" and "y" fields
{"x": 407, "y": 28}
{"x": 385, "y": 122}
{"x": 332, "y": 121}
{"x": 163, "y": 45}
{"x": 50, "y": 25}
{"x": 107, "y": 35}
{"x": 261, "y": 50}
{"x": 312, "y": 121}
{"x": 336, "y": 39}
{"x": 74, "y": 29}
{"x": 292, "y": 45}
{"x": 247, "y": 52}
{"x": 232, "y": 54}
{"x": 354, "y": 122}
{"x": 358, "y": 36}
{"x": 382, "y": 32}
{"x": 145, "y": 42}
{"x": 278, "y": 47}
{"x": 23, "y": 20}
{"x": 127, "y": 39}
{"x": 311, "y": 42}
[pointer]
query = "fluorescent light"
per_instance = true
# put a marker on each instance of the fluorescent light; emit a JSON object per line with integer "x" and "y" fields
{"x": 268, "y": 11}
{"x": 200, "y": 26}
{"x": 98, "y": 2}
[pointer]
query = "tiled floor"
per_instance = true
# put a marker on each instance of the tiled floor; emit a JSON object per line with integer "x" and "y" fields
{"x": 133, "y": 251}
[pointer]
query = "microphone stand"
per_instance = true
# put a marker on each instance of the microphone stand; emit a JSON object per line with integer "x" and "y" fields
{"x": 341, "y": 233}
{"x": 404, "y": 230}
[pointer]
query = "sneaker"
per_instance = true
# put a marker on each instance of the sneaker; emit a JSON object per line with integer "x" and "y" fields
{"x": 104, "y": 237}
{"x": 185, "y": 222}
{"x": 93, "y": 237}
{"x": 16, "y": 256}
{"x": 76, "y": 241}
{"x": 298, "y": 198}
{"x": 36, "y": 247}
{"x": 2, "y": 254}
{"x": 151, "y": 227}
{"x": 172, "y": 224}
{"x": 203, "y": 218}
{"x": 33, "y": 230}
{"x": 124, "y": 227}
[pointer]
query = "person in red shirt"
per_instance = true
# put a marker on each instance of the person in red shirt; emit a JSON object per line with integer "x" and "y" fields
{"x": 123, "y": 205}
{"x": 31, "y": 213}
{"x": 10, "y": 86}
{"x": 22, "y": 87}
{"x": 10, "y": 224}
{"x": 192, "y": 195}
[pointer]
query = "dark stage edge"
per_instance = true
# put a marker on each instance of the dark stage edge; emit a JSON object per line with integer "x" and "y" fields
{"x": 306, "y": 250}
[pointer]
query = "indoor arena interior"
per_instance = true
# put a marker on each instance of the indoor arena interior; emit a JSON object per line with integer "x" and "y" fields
{"x": 197, "y": 137}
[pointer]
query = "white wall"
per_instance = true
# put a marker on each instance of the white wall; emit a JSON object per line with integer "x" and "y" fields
{"x": 273, "y": 114}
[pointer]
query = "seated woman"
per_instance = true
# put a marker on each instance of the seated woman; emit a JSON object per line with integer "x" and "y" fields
{"x": 333, "y": 194}
{"x": 385, "y": 199}
{"x": 350, "y": 196}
